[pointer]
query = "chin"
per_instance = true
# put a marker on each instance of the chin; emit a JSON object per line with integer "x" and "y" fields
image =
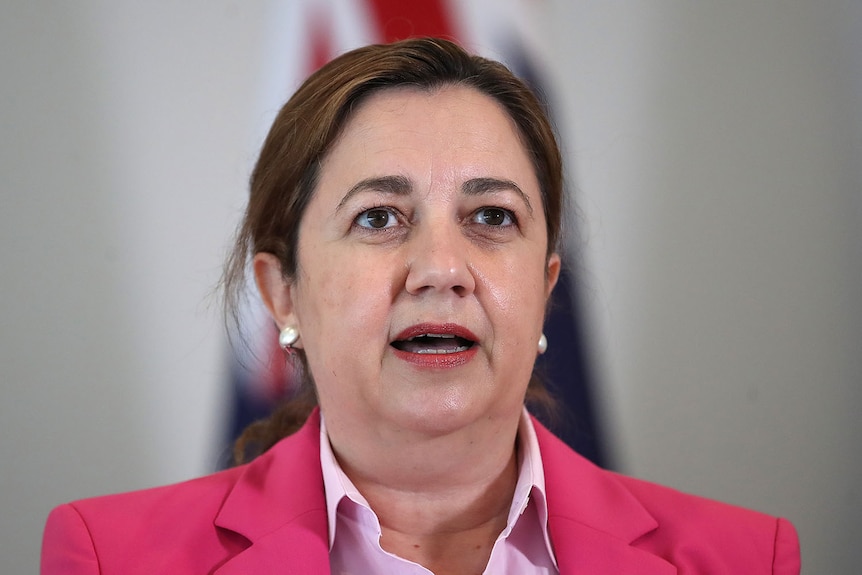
{"x": 436, "y": 414}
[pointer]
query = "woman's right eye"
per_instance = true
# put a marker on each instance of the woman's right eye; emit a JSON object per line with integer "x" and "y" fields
{"x": 376, "y": 219}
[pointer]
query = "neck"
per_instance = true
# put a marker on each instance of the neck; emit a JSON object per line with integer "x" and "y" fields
{"x": 438, "y": 498}
{"x": 426, "y": 464}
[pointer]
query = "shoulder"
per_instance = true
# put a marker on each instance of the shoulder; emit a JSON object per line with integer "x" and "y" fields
{"x": 192, "y": 526}
{"x": 201, "y": 496}
{"x": 104, "y": 534}
{"x": 700, "y": 532}
{"x": 692, "y": 533}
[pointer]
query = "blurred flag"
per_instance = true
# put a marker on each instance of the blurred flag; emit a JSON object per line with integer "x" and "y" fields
{"x": 306, "y": 34}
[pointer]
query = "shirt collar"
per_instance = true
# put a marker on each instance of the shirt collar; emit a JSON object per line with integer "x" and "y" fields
{"x": 531, "y": 481}
{"x": 336, "y": 484}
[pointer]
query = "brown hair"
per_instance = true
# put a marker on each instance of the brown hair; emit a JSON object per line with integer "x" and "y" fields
{"x": 285, "y": 176}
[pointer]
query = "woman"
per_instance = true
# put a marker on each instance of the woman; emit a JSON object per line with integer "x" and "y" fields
{"x": 402, "y": 227}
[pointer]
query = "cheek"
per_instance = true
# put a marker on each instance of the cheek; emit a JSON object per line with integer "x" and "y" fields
{"x": 518, "y": 287}
{"x": 347, "y": 295}
{"x": 517, "y": 290}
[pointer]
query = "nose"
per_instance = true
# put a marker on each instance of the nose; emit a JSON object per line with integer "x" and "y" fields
{"x": 438, "y": 261}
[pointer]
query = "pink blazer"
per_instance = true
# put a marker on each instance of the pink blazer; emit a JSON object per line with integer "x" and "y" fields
{"x": 269, "y": 516}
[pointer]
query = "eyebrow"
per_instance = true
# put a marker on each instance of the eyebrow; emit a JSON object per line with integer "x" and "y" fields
{"x": 479, "y": 186}
{"x": 395, "y": 185}
{"x": 402, "y": 186}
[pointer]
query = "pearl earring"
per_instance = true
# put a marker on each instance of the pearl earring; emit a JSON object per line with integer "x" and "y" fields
{"x": 287, "y": 337}
{"x": 543, "y": 344}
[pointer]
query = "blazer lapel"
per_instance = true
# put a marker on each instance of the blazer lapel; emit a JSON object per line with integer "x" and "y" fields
{"x": 294, "y": 549}
{"x": 279, "y": 507}
{"x": 592, "y": 518}
{"x": 585, "y": 550}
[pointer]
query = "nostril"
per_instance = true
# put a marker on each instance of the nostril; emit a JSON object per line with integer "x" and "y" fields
{"x": 436, "y": 269}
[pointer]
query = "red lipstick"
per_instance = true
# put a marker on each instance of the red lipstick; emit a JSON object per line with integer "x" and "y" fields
{"x": 435, "y": 346}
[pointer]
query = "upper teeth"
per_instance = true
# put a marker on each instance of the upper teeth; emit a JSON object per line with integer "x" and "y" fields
{"x": 440, "y": 335}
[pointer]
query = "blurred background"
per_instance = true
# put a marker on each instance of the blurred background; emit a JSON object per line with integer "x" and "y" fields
{"x": 714, "y": 155}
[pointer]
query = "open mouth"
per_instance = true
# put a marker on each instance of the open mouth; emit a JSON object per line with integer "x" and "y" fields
{"x": 433, "y": 343}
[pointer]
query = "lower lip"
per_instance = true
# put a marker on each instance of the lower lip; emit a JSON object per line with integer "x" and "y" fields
{"x": 437, "y": 360}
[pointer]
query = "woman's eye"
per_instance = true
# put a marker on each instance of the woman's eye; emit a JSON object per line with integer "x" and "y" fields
{"x": 493, "y": 217}
{"x": 377, "y": 219}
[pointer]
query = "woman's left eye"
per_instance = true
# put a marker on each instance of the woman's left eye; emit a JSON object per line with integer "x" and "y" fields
{"x": 494, "y": 217}
{"x": 376, "y": 219}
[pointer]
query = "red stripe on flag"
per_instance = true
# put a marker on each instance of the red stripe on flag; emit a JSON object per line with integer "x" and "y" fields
{"x": 400, "y": 19}
{"x": 320, "y": 40}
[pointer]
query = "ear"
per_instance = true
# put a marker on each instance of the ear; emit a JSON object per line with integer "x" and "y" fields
{"x": 552, "y": 274}
{"x": 275, "y": 291}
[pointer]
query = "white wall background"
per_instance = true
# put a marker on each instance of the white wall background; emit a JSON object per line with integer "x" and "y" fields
{"x": 716, "y": 154}
{"x": 716, "y": 148}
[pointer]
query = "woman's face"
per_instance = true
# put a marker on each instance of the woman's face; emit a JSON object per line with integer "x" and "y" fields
{"x": 422, "y": 277}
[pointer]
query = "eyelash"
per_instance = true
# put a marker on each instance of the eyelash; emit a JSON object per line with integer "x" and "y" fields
{"x": 508, "y": 216}
{"x": 392, "y": 212}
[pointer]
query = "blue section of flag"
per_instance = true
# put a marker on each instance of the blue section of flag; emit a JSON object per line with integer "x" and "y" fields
{"x": 565, "y": 370}
{"x": 565, "y": 366}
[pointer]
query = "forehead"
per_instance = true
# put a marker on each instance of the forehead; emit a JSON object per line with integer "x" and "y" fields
{"x": 453, "y": 128}
{"x": 446, "y": 101}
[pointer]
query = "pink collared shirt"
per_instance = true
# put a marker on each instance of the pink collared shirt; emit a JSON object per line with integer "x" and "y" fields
{"x": 523, "y": 547}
